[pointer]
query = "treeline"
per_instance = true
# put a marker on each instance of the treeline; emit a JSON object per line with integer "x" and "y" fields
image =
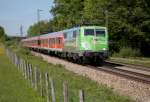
{"x": 3, "y": 35}
{"x": 2, "y": 32}
{"x": 128, "y": 21}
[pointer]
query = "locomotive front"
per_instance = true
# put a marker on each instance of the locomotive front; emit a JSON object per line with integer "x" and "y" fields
{"x": 94, "y": 42}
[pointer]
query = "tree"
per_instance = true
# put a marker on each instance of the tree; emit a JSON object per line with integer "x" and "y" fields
{"x": 129, "y": 24}
{"x": 2, "y": 32}
{"x": 94, "y": 12}
{"x": 67, "y": 13}
{"x": 42, "y": 27}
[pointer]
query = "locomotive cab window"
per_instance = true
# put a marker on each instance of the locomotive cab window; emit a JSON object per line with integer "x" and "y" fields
{"x": 100, "y": 32}
{"x": 89, "y": 32}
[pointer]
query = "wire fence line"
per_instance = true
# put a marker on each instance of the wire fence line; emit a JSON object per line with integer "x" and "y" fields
{"x": 41, "y": 82}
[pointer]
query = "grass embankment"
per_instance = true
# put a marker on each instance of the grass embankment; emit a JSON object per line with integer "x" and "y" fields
{"x": 129, "y": 55}
{"x": 13, "y": 86}
{"x": 135, "y": 61}
{"x": 93, "y": 91}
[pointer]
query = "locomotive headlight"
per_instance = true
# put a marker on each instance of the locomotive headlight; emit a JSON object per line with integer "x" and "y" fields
{"x": 104, "y": 48}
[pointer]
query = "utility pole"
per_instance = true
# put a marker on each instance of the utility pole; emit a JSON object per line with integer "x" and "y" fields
{"x": 38, "y": 19}
{"x": 21, "y": 30}
{"x": 106, "y": 19}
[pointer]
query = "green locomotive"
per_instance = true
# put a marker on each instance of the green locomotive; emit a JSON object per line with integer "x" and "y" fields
{"x": 86, "y": 43}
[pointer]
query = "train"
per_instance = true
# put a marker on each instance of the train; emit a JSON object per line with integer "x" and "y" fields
{"x": 82, "y": 44}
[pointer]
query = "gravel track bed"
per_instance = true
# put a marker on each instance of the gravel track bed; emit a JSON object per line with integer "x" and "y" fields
{"x": 136, "y": 90}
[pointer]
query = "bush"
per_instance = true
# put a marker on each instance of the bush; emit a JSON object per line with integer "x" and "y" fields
{"x": 127, "y": 52}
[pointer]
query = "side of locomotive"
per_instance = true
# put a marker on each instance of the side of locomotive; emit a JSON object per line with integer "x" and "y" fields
{"x": 81, "y": 44}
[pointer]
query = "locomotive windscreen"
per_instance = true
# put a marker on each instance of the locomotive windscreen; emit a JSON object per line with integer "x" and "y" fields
{"x": 94, "y": 32}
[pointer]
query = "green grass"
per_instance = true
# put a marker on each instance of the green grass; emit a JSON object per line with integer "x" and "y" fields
{"x": 93, "y": 91}
{"x": 13, "y": 86}
{"x": 133, "y": 60}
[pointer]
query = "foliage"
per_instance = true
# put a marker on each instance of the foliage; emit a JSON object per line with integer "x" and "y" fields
{"x": 129, "y": 21}
{"x": 42, "y": 27}
{"x": 3, "y": 36}
{"x": 126, "y": 52}
{"x": 2, "y": 32}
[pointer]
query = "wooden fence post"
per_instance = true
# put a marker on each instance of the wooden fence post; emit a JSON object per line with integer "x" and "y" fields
{"x": 31, "y": 75}
{"x": 35, "y": 78}
{"x": 15, "y": 57}
{"x": 21, "y": 65}
{"x": 65, "y": 91}
{"x": 17, "y": 62}
{"x": 52, "y": 90}
{"x": 25, "y": 69}
{"x": 41, "y": 85}
{"x": 28, "y": 72}
{"x": 24, "y": 66}
{"x": 47, "y": 86}
{"x": 81, "y": 96}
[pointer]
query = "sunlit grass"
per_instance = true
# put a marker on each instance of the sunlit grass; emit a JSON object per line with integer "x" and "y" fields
{"x": 13, "y": 86}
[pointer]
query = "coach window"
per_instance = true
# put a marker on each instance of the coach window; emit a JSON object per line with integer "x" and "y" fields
{"x": 74, "y": 34}
{"x": 53, "y": 40}
{"x": 46, "y": 41}
{"x": 65, "y": 35}
{"x": 49, "y": 41}
{"x": 56, "y": 39}
{"x": 39, "y": 42}
{"x": 59, "y": 40}
{"x": 70, "y": 34}
{"x": 42, "y": 41}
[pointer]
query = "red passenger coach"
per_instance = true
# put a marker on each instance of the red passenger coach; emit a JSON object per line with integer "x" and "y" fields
{"x": 52, "y": 41}
{"x": 49, "y": 42}
{"x": 30, "y": 42}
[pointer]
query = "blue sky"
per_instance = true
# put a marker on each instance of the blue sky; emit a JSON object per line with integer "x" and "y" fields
{"x": 13, "y": 13}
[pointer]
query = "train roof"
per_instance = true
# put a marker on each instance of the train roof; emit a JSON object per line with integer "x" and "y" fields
{"x": 58, "y": 32}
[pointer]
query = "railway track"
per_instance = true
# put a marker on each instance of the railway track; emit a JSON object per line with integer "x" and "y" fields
{"x": 132, "y": 72}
